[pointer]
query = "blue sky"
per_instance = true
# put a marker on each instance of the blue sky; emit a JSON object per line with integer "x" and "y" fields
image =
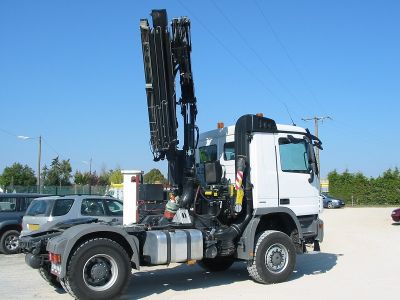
{"x": 72, "y": 72}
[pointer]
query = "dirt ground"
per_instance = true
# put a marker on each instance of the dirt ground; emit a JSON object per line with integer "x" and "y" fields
{"x": 359, "y": 260}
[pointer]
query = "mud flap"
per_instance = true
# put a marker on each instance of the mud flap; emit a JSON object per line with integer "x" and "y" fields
{"x": 316, "y": 246}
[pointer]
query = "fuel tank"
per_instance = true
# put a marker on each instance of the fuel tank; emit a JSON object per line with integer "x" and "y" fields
{"x": 164, "y": 247}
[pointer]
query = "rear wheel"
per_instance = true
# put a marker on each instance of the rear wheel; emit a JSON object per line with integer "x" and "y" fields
{"x": 330, "y": 205}
{"x": 50, "y": 278}
{"x": 274, "y": 258}
{"x": 220, "y": 263}
{"x": 98, "y": 269}
{"x": 9, "y": 242}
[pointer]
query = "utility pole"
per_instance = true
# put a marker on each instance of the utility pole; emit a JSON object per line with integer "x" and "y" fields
{"x": 316, "y": 120}
{"x": 39, "y": 159}
{"x": 90, "y": 176}
{"x": 23, "y": 137}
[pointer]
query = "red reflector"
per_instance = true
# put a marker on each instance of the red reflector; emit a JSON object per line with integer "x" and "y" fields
{"x": 55, "y": 258}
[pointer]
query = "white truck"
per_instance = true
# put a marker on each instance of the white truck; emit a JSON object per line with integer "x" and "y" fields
{"x": 244, "y": 192}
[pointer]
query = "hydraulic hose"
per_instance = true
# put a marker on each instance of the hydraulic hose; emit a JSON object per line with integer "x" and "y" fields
{"x": 187, "y": 196}
{"x": 235, "y": 230}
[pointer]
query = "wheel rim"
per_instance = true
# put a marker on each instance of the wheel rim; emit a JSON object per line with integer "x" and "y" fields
{"x": 276, "y": 258}
{"x": 100, "y": 272}
{"x": 11, "y": 242}
{"x": 330, "y": 205}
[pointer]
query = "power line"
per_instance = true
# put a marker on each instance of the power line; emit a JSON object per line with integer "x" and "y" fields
{"x": 257, "y": 55}
{"x": 244, "y": 66}
{"x": 8, "y": 132}
{"x": 50, "y": 146}
{"x": 289, "y": 57}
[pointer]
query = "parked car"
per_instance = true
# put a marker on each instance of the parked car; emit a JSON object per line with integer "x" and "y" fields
{"x": 396, "y": 215}
{"x": 330, "y": 202}
{"x": 52, "y": 210}
{"x": 12, "y": 209}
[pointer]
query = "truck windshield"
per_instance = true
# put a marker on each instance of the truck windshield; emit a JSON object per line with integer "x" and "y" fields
{"x": 40, "y": 208}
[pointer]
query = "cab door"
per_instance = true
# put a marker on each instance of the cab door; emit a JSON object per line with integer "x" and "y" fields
{"x": 297, "y": 174}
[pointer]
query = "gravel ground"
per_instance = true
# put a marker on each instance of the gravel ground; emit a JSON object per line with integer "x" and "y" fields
{"x": 359, "y": 260}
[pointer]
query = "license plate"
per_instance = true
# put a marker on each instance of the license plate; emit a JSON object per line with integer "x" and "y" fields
{"x": 33, "y": 226}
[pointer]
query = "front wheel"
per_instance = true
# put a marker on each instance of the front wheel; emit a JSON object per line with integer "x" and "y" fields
{"x": 220, "y": 263}
{"x": 274, "y": 258}
{"x": 98, "y": 269}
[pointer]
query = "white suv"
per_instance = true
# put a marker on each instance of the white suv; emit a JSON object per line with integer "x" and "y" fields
{"x": 52, "y": 210}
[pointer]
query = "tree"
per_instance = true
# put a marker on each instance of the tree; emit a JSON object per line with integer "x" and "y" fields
{"x": 116, "y": 176}
{"x": 18, "y": 174}
{"x": 384, "y": 189}
{"x": 104, "y": 178}
{"x": 59, "y": 172}
{"x": 81, "y": 178}
{"x": 153, "y": 176}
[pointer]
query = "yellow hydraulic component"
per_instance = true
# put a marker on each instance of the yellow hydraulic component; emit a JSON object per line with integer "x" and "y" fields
{"x": 231, "y": 190}
{"x": 239, "y": 199}
{"x": 208, "y": 193}
{"x": 239, "y": 191}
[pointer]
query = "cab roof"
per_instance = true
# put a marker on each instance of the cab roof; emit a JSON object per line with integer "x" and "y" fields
{"x": 230, "y": 130}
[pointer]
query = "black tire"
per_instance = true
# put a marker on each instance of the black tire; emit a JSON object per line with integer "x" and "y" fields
{"x": 98, "y": 269}
{"x": 50, "y": 278}
{"x": 218, "y": 264}
{"x": 66, "y": 287}
{"x": 274, "y": 258}
{"x": 330, "y": 205}
{"x": 9, "y": 242}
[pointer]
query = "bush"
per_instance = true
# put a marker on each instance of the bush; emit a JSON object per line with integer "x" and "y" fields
{"x": 383, "y": 190}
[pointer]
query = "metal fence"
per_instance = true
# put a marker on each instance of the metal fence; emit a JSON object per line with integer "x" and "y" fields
{"x": 59, "y": 190}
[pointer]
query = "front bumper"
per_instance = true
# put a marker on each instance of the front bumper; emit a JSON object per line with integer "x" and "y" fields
{"x": 338, "y": 204}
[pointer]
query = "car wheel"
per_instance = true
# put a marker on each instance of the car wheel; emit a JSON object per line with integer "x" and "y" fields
{"x": 9, "y": 243}
{"x": 218, "y": 264}
{"x": 98, "y": 269}
{"x": 274, "y": 258}
{"x": 330, "y": 205}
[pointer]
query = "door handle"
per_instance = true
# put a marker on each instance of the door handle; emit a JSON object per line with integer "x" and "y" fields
{"x": 284, "y": 201}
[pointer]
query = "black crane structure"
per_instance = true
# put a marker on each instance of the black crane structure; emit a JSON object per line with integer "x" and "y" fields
{"x": 164, "y": 56}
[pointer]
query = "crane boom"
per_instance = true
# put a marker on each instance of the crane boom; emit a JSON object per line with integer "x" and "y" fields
{"x": 164, "y": 56}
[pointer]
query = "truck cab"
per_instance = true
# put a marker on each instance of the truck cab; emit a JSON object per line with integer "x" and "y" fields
{"x": 280, "y": 164}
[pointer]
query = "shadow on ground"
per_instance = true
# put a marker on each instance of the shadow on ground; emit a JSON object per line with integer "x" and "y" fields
{"x": 396, "y": 224}
{"x": 314, "y": 263}
{"x": 181, "y": 278}
{"x": 60, "y": 291}
{"x": 184, "y": 277}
